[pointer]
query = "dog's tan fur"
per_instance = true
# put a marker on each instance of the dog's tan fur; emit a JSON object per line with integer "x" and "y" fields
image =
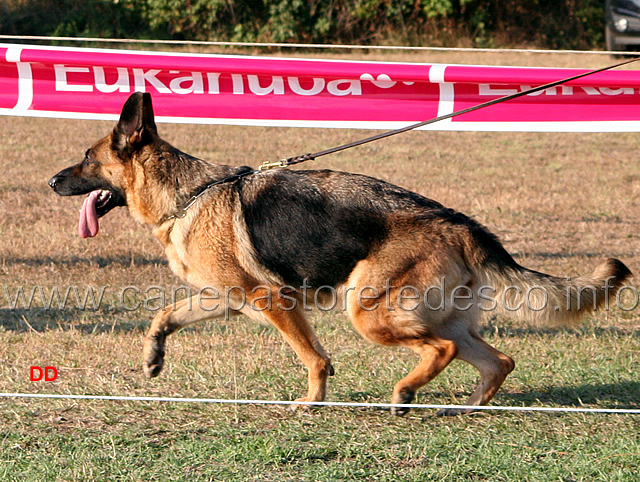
{"x": 387, "y": 238}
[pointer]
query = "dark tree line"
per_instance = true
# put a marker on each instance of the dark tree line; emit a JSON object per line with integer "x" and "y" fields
{"x": 577, "y": 24}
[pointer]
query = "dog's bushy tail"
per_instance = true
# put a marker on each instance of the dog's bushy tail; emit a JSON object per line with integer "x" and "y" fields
{"x": 515, "y": 291}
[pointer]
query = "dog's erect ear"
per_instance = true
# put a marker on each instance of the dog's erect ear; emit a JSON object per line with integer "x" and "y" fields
{"x": 136, "y": 125}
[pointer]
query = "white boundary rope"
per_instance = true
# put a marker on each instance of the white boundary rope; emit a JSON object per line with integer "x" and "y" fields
{"x": 319, "y": 404}
{"x": 311, "y": 46}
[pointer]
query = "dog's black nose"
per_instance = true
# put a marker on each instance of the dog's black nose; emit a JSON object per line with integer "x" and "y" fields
{"x": 53, "y": 181}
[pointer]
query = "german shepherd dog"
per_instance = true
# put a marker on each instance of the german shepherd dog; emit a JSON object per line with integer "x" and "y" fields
{"x": 407, "y": 270}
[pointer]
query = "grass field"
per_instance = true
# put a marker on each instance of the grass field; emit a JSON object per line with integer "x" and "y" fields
{"x": 559, "y": 202}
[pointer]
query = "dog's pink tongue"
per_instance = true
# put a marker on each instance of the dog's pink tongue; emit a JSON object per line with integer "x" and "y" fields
{"x": 88, "y": 224}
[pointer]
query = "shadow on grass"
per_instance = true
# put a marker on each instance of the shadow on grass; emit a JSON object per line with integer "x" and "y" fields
{"x": 89, "y": 322}
{"x": 620, "y": 395}
{"x": 586, "y": 331}
{"x": 100, "y": 261}
{"x": 624, "y": 394}
{"x": 565, "y": 255}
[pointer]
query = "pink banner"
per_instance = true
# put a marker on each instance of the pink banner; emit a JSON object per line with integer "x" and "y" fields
{"x": 244, "y": 90}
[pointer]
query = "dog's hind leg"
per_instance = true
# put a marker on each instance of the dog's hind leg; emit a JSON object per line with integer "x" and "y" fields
{"x": 173, "y": 318}
{"x": 493, "y": 365}
{"x": 435, "y": 353}
{"x": 398, "y": 328}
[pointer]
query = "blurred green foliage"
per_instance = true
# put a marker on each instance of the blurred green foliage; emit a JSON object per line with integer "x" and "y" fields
{"x": 543, "y": 23}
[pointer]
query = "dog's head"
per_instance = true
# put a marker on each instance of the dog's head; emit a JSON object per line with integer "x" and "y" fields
{"x": 102, "y": 174}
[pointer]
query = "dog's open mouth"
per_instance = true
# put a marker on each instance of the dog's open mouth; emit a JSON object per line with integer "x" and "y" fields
{"x": 95, "y": 205}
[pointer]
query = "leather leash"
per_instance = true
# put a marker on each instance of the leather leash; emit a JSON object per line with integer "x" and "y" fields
{"x": 290, "y": 161}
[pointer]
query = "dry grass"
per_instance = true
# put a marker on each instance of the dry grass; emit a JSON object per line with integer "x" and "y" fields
{"x": 560, "y": 202}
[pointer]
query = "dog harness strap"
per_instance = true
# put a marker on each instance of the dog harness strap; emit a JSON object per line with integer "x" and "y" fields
{"x": 192, "y": 200}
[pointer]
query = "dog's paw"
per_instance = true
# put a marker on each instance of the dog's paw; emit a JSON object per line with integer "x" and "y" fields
{"x": 403, "y": 396}
{"x": 303, "y": 407}
{"x": 152, "y": 370}
{"x": 153, "y": 354}
{"x": 330, "y": 370}
{"x": 453, "y": 412}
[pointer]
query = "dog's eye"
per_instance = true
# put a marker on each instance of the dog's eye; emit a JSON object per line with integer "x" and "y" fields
{"x": 88, "y": 160}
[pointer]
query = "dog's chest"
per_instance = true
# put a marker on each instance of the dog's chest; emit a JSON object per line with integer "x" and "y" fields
{"x": 177, "y": 262}
{"x": 195, "y": 250}
{"x": 175, "y": 248}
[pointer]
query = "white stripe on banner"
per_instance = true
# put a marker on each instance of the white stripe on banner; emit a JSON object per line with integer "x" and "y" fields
{"x": 82, "y": 83}
{"x": 445, "y": 104}
{"x": 25, "y": 79}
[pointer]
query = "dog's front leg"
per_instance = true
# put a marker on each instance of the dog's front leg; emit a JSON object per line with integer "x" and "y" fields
{"x": 300, "y": 336}
{"x": 173, "y": 318}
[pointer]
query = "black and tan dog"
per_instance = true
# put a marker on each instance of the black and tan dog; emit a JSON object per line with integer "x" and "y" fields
{"x": 408, "y": 270}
